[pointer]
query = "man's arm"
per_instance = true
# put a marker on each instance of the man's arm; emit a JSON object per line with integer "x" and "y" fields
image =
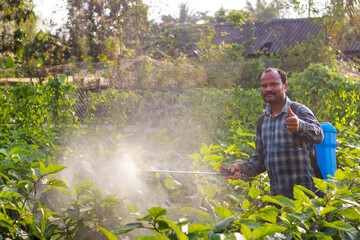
{"x": 253, "y": 167}
{"x": 305, "y": 124}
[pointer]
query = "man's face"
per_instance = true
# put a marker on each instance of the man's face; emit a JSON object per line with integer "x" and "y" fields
{"x": 272, "y": 89}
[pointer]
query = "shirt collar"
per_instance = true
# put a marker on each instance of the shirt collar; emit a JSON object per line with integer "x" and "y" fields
{"x": 288, "y": 102}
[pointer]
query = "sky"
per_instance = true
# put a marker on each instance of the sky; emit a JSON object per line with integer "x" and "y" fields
{"x": 56, "y": 9}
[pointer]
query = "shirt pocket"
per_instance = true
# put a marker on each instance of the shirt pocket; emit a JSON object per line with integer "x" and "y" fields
{"x": 287, "y": 139}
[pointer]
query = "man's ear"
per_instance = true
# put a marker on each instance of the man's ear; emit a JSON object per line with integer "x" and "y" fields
{"x": 285, "y": 86}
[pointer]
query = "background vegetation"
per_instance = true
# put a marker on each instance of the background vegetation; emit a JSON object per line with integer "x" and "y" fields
{"x": 69, "y": 176}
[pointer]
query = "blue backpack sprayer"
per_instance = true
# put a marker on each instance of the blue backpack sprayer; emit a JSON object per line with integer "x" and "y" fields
{"x": 325, "y": 151}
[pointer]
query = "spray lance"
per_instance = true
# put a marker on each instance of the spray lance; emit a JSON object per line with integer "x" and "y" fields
{"x": 223, "y": 172}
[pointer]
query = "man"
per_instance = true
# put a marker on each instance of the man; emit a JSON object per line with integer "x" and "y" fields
{"x": 281, "y": 148}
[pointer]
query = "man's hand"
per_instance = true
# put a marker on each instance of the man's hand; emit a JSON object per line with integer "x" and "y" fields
{"x": 237, "y": 174}
{"x": 292, "y": 121}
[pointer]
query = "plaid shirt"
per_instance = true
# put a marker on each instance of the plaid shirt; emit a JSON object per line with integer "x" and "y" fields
{"x": 282, "y": 153}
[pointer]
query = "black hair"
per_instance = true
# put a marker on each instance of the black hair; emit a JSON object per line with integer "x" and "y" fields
{"x": 282, "y": 74}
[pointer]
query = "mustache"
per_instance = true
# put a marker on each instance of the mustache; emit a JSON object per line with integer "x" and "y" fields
{"x": 269, "y": 93}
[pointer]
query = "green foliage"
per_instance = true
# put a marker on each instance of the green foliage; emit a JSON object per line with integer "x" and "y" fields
{"x": 43, "y": 51}
{"x": 238, "y": 16}
{"x": 249, "y": 211}
{"x": 212, "y": 127}
{"x": 89, "y": 27}
{"x": 35, "y": 105}
{"x": 250, "y": 70}
{"x": 318, "y": 86}
{"x": 173, "y": 40}
{"x": 313, "y": 50}
{"x": 13, "y": 14}
{"x": 25, "y": 179}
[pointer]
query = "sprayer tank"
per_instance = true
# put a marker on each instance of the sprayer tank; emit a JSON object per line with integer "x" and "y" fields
{"x": 326, "y": 155}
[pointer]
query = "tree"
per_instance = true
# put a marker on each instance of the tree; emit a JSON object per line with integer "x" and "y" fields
{"x": 238, "y": 16}
{"x": 43, "y": 54}
{"x": 263, "y": 10}
{"x": 186, "y": 15}
{"x": 92, "y": 22}
{"x": 13, "y": 15}
{"x": 339, "y": 18}
{"x": 353, "y": 9}
{"x": 224, "y": 15}
{"x": 219, "y": 16}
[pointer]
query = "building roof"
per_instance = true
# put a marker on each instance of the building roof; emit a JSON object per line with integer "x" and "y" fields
{"x": 272, "y": 36}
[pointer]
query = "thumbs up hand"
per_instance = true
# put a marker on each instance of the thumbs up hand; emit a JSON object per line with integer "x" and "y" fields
{"x": 292, "y": 121}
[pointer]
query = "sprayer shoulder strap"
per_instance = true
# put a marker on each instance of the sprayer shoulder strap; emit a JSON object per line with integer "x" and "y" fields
{"x": 310, "y": 149}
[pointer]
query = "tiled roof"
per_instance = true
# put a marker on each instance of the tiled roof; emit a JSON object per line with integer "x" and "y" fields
{"x": 275, "y": 35}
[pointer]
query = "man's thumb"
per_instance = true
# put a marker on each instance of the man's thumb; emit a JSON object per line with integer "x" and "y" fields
{"x": 291, "y": 113}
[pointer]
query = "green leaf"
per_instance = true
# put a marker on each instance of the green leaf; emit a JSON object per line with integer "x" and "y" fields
{"x": 73, "y": 213}
{"x": 86, "y": 184}
{"x": 7, "y": 194}
{"x": 246, "y": 204}
{"x": 271, "y": 229}
{"x": 350, "y": 213}
{"x": 349, "y": 200}
{"x": 169, "y": 183}
{"x": 299, "y": 194}
{"x": 204, "y": 150}
{"x": 56, "y": 182}
{"x": 251, "y": 223}
{"x": 203, "y": 215}
{"x": 52, "y": 169}
{"x": 195, "y": 228}
{"x": 268, "y": 214}
{"x": 4, "y": 151}
{"x": 212, "y": 158}
{"x": 304, "y": 189}
{"x": 129, "y": 227}
{"x": 179, "y": 234}
{"x": 254, "y": 192}
{"x": 349, "y": 235}
{"x": 132, "y": 208}
{"x": 150, "y": 238}
{"x": 246, "y": 231}
{"x": 163, "y": 226}
{"x": 21, "y": 184}
{"x": 340, "y": 175}
{"x": 320, "y": 184}
{"x": 238, "y": 199}
{"x": 107, "y": 233}
{"x": 316, "y": 235}
{"x": 60, "y": 189}
{"x": 327, "y": 210}
{"x": 230, "y": 149}
{"x": 10, "y": 63}
{"x": 339, "y": 225}
{"x": 224, "y": 212}
{"x": 220, "y": 226}
{"x": 196, "y": 157}
{"x": 281, "y": 200}
{"x": 16, "y": 150}
{"x": 156, "y": 212}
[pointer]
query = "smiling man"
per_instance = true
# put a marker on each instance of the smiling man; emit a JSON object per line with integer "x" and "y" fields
{"x": 284, "y": 139}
